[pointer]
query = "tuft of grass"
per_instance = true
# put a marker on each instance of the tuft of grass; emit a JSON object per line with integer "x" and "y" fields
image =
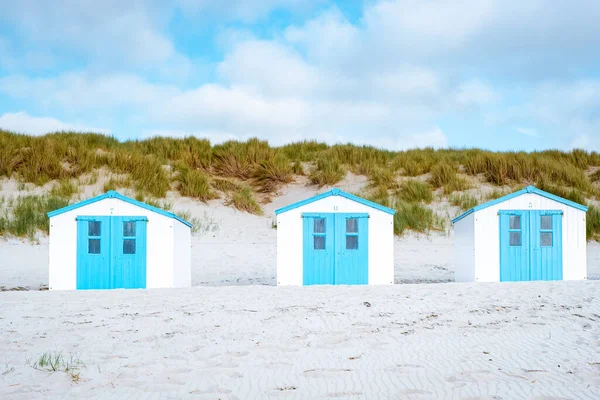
{"x": 443, "y": 175}
{"x": 416, "y": 217}
{"x": 327, "y": 172}
{"x": 194, "y": 183}
{"x": 224, "y": 185}
{"x": 25, "y": 216}
{"x": 379, "y": 195}
{"x": 117, "y": 183}
{"x": 595, "y": 177}
{"x": 201, "y": 225}
{"x": 464, "y": 201}
{"x": 272, "y": 172}
{"x": 593, "y": 223}
{"x": 243, "y": 199}
{"x": 566, "y": 193}
{"x": 65, "y": 189}
{"x": 494, "y": 194}
{"x": 383, "y": 177}
{"x": 52, "y": 361}
{"x": 415, "y": 191}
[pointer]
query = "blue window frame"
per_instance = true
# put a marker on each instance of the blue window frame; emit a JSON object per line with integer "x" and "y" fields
{"x": 351, "y": 234}
{"x": 515, "y": 230}
{"x": 94, "y": 233}
{"x": 546, "y": 231}
{"x": 319, "y": 234}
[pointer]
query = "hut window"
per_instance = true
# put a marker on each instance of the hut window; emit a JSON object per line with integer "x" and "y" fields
{"x": 515, "y": 238}
{"x": 319, "y": 234}
{"x": 514, "y": 228}
{"x": 351, "y": 234}
{"x": 319, "y": 242}
{"x": 93, "y": 228}
{"x": 546, "y": 231}
{"x": 319, "y": 225}
{"x": 515, "y": 222}
{"x": 129, "y": 246}
{"x": 546, "y": 222}
{"x": 93, "y": 246}
{"x": 351, "y": 225}
{"x": 129, "y": 229}
{"x": 351, "y": 242}
{"x": 546, "y": 239}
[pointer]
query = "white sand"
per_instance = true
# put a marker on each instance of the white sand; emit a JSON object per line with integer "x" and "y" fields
{"x": 488, "y": 341}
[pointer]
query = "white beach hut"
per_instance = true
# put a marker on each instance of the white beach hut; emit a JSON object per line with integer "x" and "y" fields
{"x": 335, "y": 238}
{"x": 112, "y": 241}
{"x": 524, "y": 236}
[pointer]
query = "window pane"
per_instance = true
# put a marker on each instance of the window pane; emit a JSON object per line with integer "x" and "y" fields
{"x": 352, "y": 225}
{"x": 515, "y": 238}
{"x": 129, "y": 228}
{"x": 546, "y": 239}
{"x": 129, "y": 246}
{"x": 351, "y": 242}
{"x": 93, "y": 228}
{"x": 93, "y": 246}
{"x": 546, "y": 222}
{"x": 515, "y": 222}
{"x": 319, "y": 225}
{"x": 319, "y": 242}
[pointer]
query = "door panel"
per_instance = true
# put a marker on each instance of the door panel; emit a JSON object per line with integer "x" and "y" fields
{"x": 318, "y": 249}
{"x": 546, "y": 246}
{"x": 93, "y": 253}
{"x": 514, "y": 246}
{"x": 128, "y": 252}
{"x": 351, "y": 258}
{"x": 111, "y": 252}
{"x": 539, "y": 255}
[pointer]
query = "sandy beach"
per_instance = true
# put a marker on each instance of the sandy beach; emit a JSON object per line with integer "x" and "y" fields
{"x": 486, "y": 341}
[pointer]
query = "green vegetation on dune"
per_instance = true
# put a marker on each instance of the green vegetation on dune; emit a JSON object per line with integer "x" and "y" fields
{"x": 239, "y": 170}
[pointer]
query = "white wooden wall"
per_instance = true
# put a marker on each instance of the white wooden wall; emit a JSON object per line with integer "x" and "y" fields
{"x": 160, "y": 257}
{"x": 464, "y": 249}
{"x": 182, "y": 267}
{"x": 290, "y": 246}
{"x": 486, "y": 240}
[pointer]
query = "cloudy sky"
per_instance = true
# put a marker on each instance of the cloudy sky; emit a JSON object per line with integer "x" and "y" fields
{"x": 496, "y": 74}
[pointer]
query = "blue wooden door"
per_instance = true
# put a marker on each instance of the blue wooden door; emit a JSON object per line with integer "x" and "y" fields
{"x": 530, "y": 245}
{"x": 93, "y": 253}
{"x": 352, "y": 246}
{"x": 546, "y": 245}
{"x": 111, "y": 252}
{"x": 514, "y": 246}
{"x": 318, "y": 249}
{"x": 128, "y": 250}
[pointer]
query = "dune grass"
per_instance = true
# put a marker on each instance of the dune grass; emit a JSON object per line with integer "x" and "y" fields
{"x": 25, "y": 216}
{"x": 243, "y": 199}
{"x": 240, "y": 168}
{"x": 415, "y": 191}
{"x": 327, "y": 172}
{"x": 194, "y": 183}
{"x": 415, "y": 217}
{"x": 464, "y": 201}
{"x": 593, "y": 223}
{"x": 66, "y": 188}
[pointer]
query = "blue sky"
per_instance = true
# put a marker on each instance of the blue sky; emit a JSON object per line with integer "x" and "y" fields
{"x": 496, "y": 74}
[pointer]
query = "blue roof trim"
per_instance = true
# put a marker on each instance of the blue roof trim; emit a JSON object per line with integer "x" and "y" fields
{"x": 336, "y": 192}
{"x": 528, "y": 189}
{"x": 114, "y": 195}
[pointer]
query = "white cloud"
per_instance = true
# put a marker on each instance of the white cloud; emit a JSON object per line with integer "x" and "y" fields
{"x": 402, "y": 68}
{"x": 528, "y": 132}
{"x": 24, "y": 123}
